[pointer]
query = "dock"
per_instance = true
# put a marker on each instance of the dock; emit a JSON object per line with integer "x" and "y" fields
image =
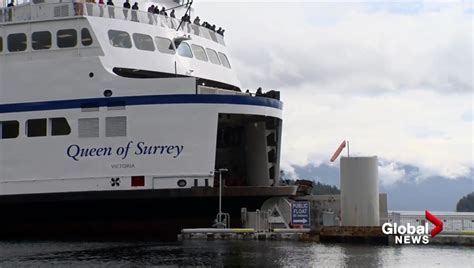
{"x": 354, "y": 234}
{"x": 458, "y": 239}
{"x": 243, "y": 234}
{"x": 333, "y": 234}
{"x": 317, "y": 218}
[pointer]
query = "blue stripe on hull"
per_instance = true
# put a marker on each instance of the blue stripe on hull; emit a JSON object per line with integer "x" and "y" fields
{"x": 140, "y": 100}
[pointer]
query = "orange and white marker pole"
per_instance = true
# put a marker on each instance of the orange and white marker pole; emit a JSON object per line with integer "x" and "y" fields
{"x": 339, "y": 150}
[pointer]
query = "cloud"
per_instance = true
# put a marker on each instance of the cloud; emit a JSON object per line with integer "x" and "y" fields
{"x": 468, "y": 116}
{"x": 344, "y": 48}
{"x": 396, "y": 83}
{"x": 427, "y": 133}
{"x": 391, "y": 173}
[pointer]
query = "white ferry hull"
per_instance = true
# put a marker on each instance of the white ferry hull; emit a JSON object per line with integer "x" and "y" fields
{"x": 149, "y": 214}
{"x": 113, "y": 123}
{"x": 169, "y": 138}
{"x": 59, "y": 188}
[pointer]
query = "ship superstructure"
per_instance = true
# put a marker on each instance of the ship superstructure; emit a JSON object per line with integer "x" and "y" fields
{"x": 98, "y": 103}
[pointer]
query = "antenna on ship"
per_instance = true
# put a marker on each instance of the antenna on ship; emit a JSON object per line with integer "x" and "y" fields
{"x": 188, "y": 4}
{"x": 180, "y": 5}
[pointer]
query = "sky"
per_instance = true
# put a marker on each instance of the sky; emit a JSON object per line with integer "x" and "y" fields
{"x": 393, "y": 78}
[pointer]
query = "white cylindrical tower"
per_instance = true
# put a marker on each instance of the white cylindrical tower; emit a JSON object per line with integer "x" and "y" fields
{"x": 359, "y": 191}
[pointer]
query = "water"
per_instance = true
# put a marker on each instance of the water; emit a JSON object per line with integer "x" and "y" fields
{"x": 223, "y": 253}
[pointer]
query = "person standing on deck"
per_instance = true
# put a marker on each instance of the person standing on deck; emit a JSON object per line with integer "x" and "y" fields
{"x": 126, "y": 7}
{"x": 89, "y": 6}
{"x": 101, "y": 8}
{"x": 111, "y": 9}
{"x": 78, "y": 7}
{"x": 10, "y": 7}
{"x": 134, "y": 12}
{"x": 163, "y": 12}
{"x": 150, "y": 10}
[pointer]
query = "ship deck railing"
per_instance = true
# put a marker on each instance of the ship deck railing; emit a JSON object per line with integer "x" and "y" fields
{"x": 219, "y": 91}
{"x": 58, "y": 9}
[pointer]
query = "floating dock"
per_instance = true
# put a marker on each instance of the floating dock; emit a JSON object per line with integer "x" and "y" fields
{"x": 368, "y": 235}
{"x": 243, "y": 234}
{"x": 458, "y": 239}
{"x": 354, "y": 234}
{"x": 333, "y": 234}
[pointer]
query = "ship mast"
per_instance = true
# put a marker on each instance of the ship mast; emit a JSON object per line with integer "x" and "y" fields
{"x": 188, "y": 11}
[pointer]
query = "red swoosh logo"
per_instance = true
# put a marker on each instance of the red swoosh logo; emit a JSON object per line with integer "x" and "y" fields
{"x": 437, "y": 222}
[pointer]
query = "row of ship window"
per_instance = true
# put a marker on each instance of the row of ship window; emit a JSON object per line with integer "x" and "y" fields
{"x": 115, "y": 126}
{"x": 41, "y": 40}
{"x": 67, "y": 38}
{"x": 164, "y": 45}
{"x": 36, "y": 128}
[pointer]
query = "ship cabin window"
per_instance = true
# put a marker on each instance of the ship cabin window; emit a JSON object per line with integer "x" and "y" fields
{"x": 66, "y": 38}
{"x": 184, "y": 50}
{"x": 165, "y": 45}
{"x": 143, "y": 42}
{"x": 224, "y": 60}
{"x": 88, "y": 127}
{"x": 116, "y": 126}
{"x": 120, "y": 39}
{"x": 59, "y": 127}
{"x": 17, "y": 42}
{"x": 9, "y": 129}
{"x": 199, "y": 52}
{"x": 41, "y": 40}
{"x": 36, "y": 127}
{"x": 86, "y": 38}
{"x": 213, "y": 56}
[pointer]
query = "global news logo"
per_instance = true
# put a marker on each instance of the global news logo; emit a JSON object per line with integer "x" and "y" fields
{"x": 410, "y": 234}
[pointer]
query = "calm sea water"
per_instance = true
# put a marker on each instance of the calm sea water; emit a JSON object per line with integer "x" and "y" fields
{"x": 223, "y": 253}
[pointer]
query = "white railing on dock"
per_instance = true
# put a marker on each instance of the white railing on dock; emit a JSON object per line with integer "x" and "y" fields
{"x": 222, "y": 221}
{"x": 291, "y": 231}
{"x": 217, "y": 231}
{"x": 261, "y": 221}
{"x": 54, "y": 9}
{"x": 452, "y": 221}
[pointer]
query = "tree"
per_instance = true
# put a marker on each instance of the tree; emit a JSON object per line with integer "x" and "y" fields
{"x": 466, "y": 203}
{"x": 321, "y": 188}
{"x": 318, "y": 187}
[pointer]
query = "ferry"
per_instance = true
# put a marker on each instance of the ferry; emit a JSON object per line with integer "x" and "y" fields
{"x": 115, "y": 121}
